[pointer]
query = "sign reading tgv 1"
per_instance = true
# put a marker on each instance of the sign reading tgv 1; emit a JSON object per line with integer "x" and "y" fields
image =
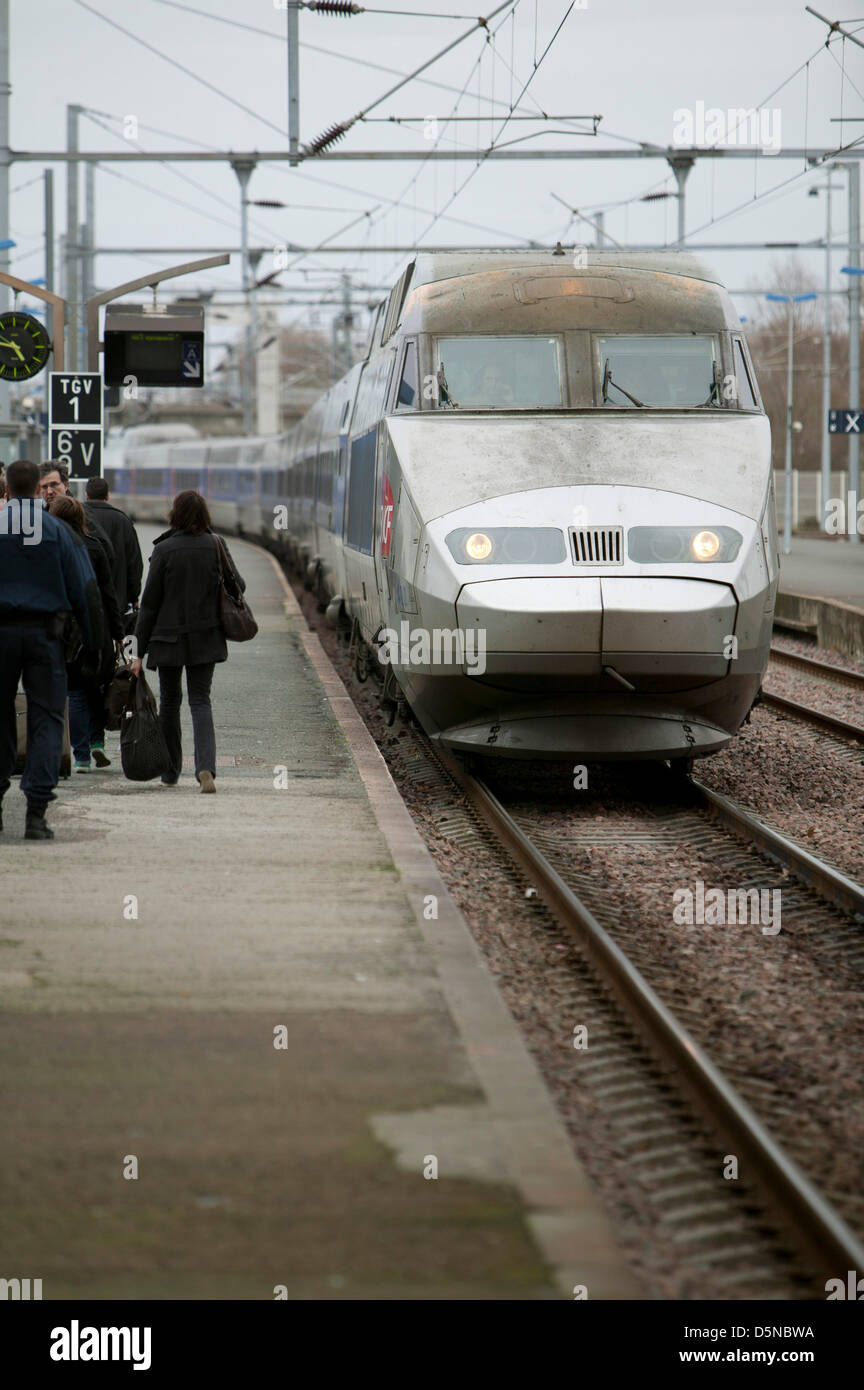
{"x": 75, "y": 422}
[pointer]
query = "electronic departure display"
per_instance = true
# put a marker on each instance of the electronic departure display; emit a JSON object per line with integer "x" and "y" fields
{"x": 161, "y": 348}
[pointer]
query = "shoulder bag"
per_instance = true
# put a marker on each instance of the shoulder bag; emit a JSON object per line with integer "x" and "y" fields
{"x": 235, "y": 615}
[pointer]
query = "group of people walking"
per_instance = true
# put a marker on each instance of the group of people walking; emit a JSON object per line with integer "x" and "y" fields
{"x": 70, "y": 578}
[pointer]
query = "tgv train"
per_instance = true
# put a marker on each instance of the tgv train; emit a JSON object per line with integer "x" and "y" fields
{"x": 544, "y": 500}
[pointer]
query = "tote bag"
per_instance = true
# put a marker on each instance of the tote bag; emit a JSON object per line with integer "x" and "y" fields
{"x": 143, "y": 751}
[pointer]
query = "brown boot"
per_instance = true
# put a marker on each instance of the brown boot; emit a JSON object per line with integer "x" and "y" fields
{"x": 206, "y": 780}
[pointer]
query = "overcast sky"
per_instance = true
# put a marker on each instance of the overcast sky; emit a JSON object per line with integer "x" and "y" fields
{"x": 634, "y": 62}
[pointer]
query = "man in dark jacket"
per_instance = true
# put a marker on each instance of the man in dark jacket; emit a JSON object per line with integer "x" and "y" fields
{"x": 54, "y": 480}
{"x": 45, "y": 572}
{"x": 128, "y": 566}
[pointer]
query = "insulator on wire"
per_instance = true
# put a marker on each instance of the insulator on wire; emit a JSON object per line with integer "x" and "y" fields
{"x": 340, "y": 7}
{"x": 329, "y": 137}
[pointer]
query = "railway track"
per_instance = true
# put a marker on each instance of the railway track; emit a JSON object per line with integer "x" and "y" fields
{"x": 843, "y": 728}
{"x": 651, "y": 1087}
{"x": 823, "y": 1230}
{"x": 810, "y": 714}
{"x": 812, "y": 667}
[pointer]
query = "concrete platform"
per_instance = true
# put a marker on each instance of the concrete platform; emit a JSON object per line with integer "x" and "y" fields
{"x": 153, "y": 955}
{"x": 822, "y": 586}
{"x": 826, "y": 567}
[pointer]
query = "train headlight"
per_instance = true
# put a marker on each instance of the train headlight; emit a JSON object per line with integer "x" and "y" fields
{"x": 705, "y": 545}
{"x": 683, "y": 545}
{"x": 478, "y": 546}
{"x": 507, "y": 545}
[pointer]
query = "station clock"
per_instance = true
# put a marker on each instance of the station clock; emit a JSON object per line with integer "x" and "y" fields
{"x": 24, "y": 346}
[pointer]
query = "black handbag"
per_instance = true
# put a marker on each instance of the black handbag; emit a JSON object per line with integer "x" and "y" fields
{"x": 118, "y": 694}
{"x": 235, "y": 615}
{"x": 143, "y": 751}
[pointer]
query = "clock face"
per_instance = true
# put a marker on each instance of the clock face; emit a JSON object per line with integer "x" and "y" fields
{"x": 24, "y": 346}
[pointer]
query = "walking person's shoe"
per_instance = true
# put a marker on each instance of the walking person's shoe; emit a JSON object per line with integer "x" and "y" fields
{"x": 35, "y": 827}
{"x": 207, "y": 782}
{"x": 81, "y": 767}
{"x": 98, "y": 752}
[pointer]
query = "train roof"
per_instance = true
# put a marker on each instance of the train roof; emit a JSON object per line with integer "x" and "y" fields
{"x": 175, "y": 432}
{"x": 503, "y": 292}
{"x": 445, "y": 265}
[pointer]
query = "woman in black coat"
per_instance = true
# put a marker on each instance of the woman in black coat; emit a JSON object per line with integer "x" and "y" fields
{"x": 86, "y": 701}
{"x": 178, "y": 625}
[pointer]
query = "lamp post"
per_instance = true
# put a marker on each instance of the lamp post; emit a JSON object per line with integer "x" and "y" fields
{"x": 854, "y": 396}
{"x": 244, "y": 168}
{"x": 790, "y": 300}
{"x": 825, "y": 463}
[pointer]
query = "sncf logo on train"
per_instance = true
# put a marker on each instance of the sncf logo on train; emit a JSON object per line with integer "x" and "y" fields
{"x": 386, "y": 514}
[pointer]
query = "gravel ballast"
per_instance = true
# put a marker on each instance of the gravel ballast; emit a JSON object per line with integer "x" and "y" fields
{"x": 773, "y": 1007}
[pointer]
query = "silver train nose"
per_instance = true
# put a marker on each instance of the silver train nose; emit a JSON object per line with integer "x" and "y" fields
{"x": 579, "y": 625}
{"x": 599, "y": 651}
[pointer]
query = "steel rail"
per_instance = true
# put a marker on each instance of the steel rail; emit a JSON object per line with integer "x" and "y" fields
{"x": 816, "y": 1222}
{"x": 817, "y": 668}
{"x": 829, "y": 722}
{"x": 829, "y": 883}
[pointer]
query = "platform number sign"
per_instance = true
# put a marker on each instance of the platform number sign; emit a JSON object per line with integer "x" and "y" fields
{"x": 846, "y": 422}
{"x": 80, "y": 451}
{"x": 75, "y": 422}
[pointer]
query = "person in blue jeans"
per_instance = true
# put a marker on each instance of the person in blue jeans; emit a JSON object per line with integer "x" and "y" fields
{"x": 87, "y": 679}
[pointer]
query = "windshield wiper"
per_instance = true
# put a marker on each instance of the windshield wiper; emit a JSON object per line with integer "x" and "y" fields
{"x": 607, "y": 382}
{"x": 444, "y": 397}
{"x": 714, "y": 394}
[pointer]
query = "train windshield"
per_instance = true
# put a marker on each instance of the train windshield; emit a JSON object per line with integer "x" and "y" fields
{"x": 498, "y": 373}
{"x": 678, "y": 371}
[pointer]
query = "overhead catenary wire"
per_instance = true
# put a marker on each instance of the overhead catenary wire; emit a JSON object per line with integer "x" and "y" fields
{"x": 349, "y": 188}
{"x": 19, "y": 188}
{"x": 345, "y": 9}
{"x": 585, "y": 218}
{"x": 494, "y": 141}
{"x": 335, "y": 132}
{"x": 769, "y": 192}
{"x": 210, "y": 86}
{"x": 260, "y": 228}
{"x": 312, "y": 47}
{"x": 168, "y": 197}
{"x": 777, "y": 189}
{"x": 217, "y": 197}
{"x": 846, "y": 78}
{"x": 412, "y": 182}
{"x": 784, "y": 183}
{"x": 340, "y": 128}
{"x": 188, "y": 72}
